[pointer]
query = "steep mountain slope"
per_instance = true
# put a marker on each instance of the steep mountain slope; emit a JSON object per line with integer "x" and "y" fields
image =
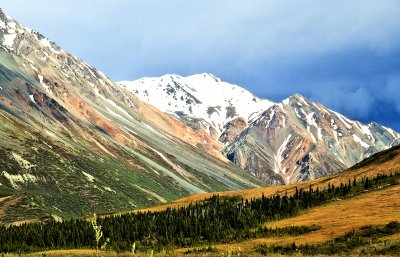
{"x": 73, "y": 142}
{"x": 299, "y": 140}
{"x": 280, "y": 143}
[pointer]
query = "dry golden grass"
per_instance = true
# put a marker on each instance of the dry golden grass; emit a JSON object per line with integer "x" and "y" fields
{"x": 377, "y": 207}
{"x": 336, "y": 218}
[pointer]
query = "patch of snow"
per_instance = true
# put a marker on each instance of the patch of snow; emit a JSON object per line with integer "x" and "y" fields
{"x": 344, "y": 120}
{"x": 32, "y": 99}
{"x": 42, "y": 83}
{"x": 340, "y": 159}
{"x": 281, "y": 149}
{"x": 271, "y": 116}
{"x": 286, "y": 101}
{"x": 312, "y": 122}
{"x": 317, "y": 106}
{"x": 283, "y": 120}
{"x": 335, "y": 134}
{"x": 102, "y": 74}
{"x": 311, "y": 134}
{"x": 33, "y": 67}
{"x": 9, "y": 39}
{"x": 319, "y": 133}
{"x": 366, "y": 131}
{"x": 334, "y": 127}
{"x": 394, "y": 134}
{"x": 333, "y": 124}
{"x": 46, "y": 43}
{"x": 302, "y": 100}
{"x": 12, "y": 25}
{"x": 297, "y": 113}
{"x": 358, "y": 140}
{"x": 97, "y": 93}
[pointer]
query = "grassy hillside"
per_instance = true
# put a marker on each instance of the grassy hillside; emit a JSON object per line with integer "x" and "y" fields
{"x": 335, "y": 219}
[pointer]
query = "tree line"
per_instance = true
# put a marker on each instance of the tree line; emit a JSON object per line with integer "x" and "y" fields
{"x": 214, "y": 220}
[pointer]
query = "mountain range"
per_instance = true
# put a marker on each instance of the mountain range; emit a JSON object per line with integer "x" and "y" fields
{"x": 74, "y": 142}
{"x": 279, "y": 143}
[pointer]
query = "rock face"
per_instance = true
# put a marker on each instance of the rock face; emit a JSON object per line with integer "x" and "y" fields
{"x": 73, "y": 142}
{"x": 232, "y": 129}
{"x": 280, "y": 143}
{"x": 299, "y": 140}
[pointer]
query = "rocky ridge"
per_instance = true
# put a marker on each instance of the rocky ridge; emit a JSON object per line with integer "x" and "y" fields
{"x": 281, "y": 143}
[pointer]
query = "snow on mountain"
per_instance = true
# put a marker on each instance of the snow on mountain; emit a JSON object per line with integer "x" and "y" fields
{"x": 202, "y": 97}
{"x": 298, "y": 140}
{"x": 280, "y": 143}
{"x": 12, "y": 32}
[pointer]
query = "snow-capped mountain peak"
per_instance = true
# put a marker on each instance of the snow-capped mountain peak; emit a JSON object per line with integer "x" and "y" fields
{"x": 199, "y": 99}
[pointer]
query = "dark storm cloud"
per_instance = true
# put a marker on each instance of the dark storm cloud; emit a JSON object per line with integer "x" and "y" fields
{"x": 344, "y": 54}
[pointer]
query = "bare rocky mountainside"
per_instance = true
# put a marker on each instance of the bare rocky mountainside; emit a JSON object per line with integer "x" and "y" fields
{"x": 73, "y": 142}
{"x": 280, "y": 143}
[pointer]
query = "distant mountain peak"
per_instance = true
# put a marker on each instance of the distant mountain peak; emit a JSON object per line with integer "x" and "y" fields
{"x": 203, "y": 97}
{"x": 296, "y": 98}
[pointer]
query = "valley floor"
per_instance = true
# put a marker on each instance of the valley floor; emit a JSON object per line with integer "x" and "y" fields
{"x": 334, "y": 219}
